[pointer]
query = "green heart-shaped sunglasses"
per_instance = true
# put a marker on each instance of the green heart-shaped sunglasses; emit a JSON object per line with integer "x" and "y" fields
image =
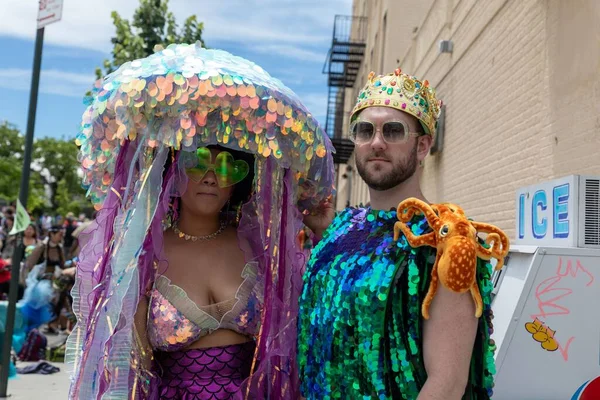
{"x": 227, "y": 170}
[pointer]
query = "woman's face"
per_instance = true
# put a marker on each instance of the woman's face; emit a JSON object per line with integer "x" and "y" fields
{"x": 30, "y": 232}
{"x": 56, "y": 237}
{"x": 204, "y": 197}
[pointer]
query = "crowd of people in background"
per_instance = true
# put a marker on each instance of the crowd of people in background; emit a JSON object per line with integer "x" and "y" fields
{"x": 47, "y": 269}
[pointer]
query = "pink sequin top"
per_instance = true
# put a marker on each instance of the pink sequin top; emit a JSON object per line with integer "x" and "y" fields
{"x": 175, "y": 321}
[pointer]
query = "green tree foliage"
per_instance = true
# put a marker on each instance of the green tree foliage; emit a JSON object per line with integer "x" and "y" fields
{"x": 57, "y": 160}
{"x": 53, "y": 184}
{"x": 65, "y": 201}
{"x": 153, "y": 25}
{"x": 12, "y": 144}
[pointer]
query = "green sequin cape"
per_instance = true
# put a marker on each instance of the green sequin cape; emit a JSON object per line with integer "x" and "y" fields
{"x": 360, "y": 330}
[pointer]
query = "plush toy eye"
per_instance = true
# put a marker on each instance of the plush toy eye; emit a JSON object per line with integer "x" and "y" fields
{"x": 444, "y": 230}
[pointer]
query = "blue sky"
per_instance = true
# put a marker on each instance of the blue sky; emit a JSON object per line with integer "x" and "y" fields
{"x": 288, "y": 38}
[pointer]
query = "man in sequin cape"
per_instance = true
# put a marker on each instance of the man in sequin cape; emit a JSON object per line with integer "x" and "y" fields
{"x": 360, "y": 330}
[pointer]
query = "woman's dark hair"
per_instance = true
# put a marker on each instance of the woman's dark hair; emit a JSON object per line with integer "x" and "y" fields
{"x": 35, "y": 231}
{"x": 55, "y": 228}
{"x": 243, "y": 190}
{"x": 5, "y": 223}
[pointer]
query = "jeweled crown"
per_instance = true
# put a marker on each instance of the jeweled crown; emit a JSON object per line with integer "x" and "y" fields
{"x": 402, "y": 92}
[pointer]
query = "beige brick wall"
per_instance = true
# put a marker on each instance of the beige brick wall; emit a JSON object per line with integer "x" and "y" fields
{"x": 574, "y": 63}
{"x": 496, "y": 125}
{"x": 522, "y": 89}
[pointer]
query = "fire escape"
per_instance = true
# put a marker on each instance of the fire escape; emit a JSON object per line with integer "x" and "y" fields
{"x": 342, "y": 65}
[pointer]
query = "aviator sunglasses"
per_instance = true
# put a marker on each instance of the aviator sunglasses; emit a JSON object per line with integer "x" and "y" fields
{"x": 393, "y": 132}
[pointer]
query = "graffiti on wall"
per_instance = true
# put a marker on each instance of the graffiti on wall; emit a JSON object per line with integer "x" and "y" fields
{"x": 550, "y": 295}
{"x": 542, "y": 334}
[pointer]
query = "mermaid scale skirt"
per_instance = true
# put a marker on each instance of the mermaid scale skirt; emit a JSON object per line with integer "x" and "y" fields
{"x": 203, "y": 374}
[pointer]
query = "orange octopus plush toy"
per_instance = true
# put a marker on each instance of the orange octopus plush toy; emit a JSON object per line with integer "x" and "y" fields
{"x": 455, "y": 238}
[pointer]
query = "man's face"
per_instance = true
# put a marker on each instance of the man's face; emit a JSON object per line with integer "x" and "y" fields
{"x": 382, "y": 165}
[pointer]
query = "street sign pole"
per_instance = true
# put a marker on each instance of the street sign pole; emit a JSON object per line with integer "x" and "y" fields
{"x": 23, "y": 194}
{"x": 49, "y": 11}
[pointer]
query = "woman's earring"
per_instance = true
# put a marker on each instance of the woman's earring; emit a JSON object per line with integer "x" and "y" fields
{"x": 238, "y": 215}
{"x": 171, "y": 216}
{"x": 175, "y": 206}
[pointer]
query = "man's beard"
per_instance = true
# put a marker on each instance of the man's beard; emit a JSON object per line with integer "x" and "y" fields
{"x": 401, "y": 171}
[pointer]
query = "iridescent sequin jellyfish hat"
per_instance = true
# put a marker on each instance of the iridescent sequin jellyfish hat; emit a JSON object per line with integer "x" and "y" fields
{"x": 141, "y": 122}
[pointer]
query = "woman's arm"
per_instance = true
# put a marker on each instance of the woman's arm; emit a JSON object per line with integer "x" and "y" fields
{"x": 34, "y": 258}
{"x": 140, "y": 321}
{"x": 142, "y": 357}
{"x": 320, "y": 219}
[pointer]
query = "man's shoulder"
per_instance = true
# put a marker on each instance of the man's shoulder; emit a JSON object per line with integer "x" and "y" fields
{"x": 342, "y": 218}
{"x": 339, "y": 228}
{"x": 349, "y": 211}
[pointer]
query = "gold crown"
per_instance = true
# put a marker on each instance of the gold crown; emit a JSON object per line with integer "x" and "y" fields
{"x": 402, "y": 92}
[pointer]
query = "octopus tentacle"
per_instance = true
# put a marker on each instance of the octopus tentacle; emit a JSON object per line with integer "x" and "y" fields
{"x": 414, "y": 241}
{"x": 407, "y": 208}
{"x": 477, "y": 299}
{"x": 498, "y": 237}
{"x": 433, "y": 285}
{"x": 486, "y": 253}
{"x": 489, "y": 229}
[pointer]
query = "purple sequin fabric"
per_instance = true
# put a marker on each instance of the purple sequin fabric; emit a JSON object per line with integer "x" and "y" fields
{"x": 175, "y": 321}
{"x": 202, "y": 374}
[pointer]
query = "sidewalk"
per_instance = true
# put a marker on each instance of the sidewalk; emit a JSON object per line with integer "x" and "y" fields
{"x": 38, "y": 386}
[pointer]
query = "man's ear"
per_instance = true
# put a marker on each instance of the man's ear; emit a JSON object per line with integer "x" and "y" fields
{"x": 424, "y": 144}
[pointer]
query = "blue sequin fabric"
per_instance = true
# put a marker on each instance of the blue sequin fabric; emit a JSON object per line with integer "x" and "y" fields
{"x": 360, "y": 327}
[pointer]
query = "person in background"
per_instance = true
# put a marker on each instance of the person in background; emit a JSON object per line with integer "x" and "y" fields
{"x": 30, "y": 240}
{"x": 46, "y": 262}
{"x": 49, "y": 251}
{"x": 46, "y": 222}
{"x": 8, "y": 241}
{"x": 70, "y": 225}
{"x": 4, "y": 279}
